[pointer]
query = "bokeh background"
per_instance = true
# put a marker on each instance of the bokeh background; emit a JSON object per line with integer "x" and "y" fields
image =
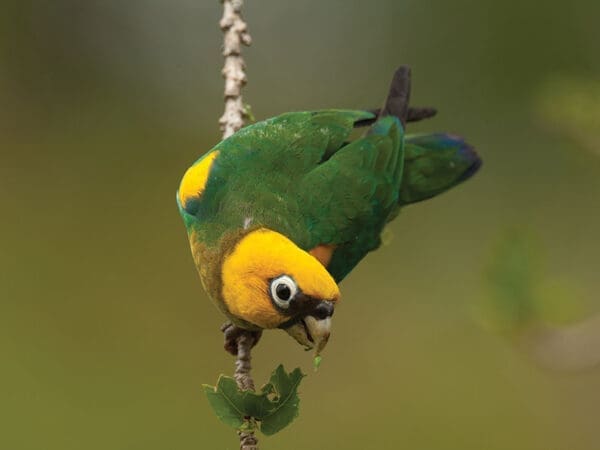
{"x": 105, "y": 332}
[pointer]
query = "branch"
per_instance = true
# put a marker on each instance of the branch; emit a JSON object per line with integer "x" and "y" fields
{"x": 242, "y": 376}
{"x": 245, "y": 342}
{"x": 239, "y": 342}
{"x": 235, "y": 34}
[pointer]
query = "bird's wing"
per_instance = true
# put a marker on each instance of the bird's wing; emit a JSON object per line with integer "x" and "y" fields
{"x": 348, "y": 199}
{"x": 253, "y": 177}
{"x": 292, "y": 144}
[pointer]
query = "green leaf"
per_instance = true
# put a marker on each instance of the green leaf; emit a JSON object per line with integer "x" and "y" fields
{"x": 276, "y": 406}
{"x": 559, "y": 301}
{"x": 317, "y": 362}
{"x": 258, "y": 405}
{"x": 286, "y": 405}
{"x": 570, "y": 105}
{"x": 226, "y": 401}
{"x": 512, "y": 275}
{"x": 249, "y": 115}
{"x": 521, "y": 295}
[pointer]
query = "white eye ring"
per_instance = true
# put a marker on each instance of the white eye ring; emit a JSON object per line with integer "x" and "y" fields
{"x": 283, "y": 290}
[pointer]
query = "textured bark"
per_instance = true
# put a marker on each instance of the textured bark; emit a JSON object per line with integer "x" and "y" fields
{"x": 235, "y": 34}
{"x": 245, "y": 342}
{"x": 239, "y": 342}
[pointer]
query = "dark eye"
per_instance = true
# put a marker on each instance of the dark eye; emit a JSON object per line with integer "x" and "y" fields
{"x": 283, "y": 289}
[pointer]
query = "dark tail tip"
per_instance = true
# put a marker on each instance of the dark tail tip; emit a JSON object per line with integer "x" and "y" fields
{"x": 469, "y": 154}
{"x": 397, "y": 102}
{"x": 398, "y": 99}
{"x": 416, "y": 114}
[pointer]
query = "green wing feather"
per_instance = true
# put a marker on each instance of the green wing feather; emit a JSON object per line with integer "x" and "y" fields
{"x": 292, "y": 143}
{"x": 256, "y": 177}
{"x": 349, "y": 198}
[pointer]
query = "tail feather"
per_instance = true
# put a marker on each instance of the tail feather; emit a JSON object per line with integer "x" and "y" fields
{"x": 435, "y": 163}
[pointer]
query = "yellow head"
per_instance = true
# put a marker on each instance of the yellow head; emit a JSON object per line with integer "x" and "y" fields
{"x": 270, "y": 282}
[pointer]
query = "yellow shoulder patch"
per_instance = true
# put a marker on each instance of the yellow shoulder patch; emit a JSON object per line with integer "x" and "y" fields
{"x": 195, "y": 178}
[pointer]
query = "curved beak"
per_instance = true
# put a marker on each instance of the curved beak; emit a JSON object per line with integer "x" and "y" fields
{"x": 313, "y": 330}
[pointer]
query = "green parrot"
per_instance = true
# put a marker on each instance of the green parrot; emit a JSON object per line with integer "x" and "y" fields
{"x": 279, "y": 213}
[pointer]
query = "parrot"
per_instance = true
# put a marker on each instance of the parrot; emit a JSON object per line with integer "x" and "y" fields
{"x": 279, "y": 213}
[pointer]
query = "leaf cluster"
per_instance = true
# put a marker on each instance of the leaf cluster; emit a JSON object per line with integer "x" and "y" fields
{"x": 270, "y": 410}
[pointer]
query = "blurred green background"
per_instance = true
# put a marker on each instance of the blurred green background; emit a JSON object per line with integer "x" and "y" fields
{"x": 105, "y": 332}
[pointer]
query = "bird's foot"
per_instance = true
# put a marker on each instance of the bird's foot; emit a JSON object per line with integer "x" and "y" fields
{"x": 232, "y": 335}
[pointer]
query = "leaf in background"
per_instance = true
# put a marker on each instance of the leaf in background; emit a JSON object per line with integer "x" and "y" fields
{"x": 226, "y": 401}
{"x": 521, "y": 295}
{"x": 512, "y": 276}
{"x": 560, "y": 302}
{"x": 571, "y": 105}
{"x": 286, "y": 403}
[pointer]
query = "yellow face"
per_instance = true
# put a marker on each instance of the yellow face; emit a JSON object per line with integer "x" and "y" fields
{"x": 270, "y": 282}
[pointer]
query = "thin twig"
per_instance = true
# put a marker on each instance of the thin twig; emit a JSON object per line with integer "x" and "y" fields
{"x": 235, "y": 34}
{"x": 242, "y": 362}
{"x": 245, "y": 342}
{"x": 239, "y": 342}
